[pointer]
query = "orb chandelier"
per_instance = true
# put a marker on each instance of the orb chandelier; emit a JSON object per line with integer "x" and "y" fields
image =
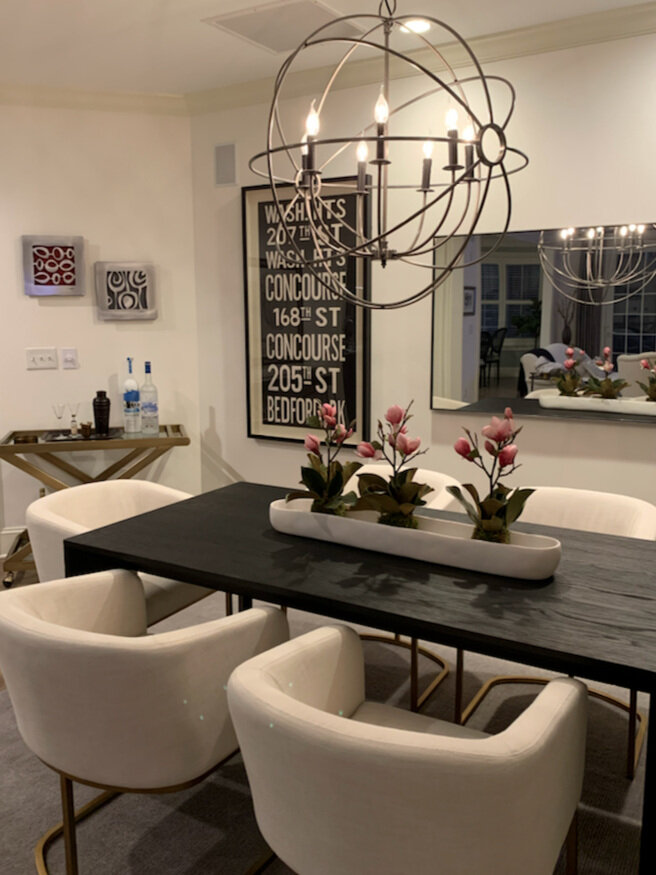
{"x": 601, "y": 265}
{"x": 421, "y": 167}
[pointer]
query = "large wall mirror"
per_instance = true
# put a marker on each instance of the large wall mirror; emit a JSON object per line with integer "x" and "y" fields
{"x": 517, "y": 306}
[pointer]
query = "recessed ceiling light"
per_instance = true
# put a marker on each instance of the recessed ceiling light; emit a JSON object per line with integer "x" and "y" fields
{"x": 416, "y": 25}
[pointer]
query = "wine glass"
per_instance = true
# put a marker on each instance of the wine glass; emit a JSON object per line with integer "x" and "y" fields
{"x": 58, "y": 410}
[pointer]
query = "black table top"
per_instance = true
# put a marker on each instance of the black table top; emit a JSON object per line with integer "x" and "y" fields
{"x": 596, "y": 617}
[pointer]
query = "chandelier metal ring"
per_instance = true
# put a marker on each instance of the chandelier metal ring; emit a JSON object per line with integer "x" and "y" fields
{"x": 451, "y": 201}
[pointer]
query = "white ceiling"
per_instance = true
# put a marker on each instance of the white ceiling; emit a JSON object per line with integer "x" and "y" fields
{"x": 164, "y": 47}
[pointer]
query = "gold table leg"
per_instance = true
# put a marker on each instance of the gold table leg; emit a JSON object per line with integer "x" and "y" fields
{"x": 417, "y": 700}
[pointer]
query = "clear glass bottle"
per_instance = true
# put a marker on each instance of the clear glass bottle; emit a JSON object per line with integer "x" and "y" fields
{"x": 131, "y": 403}
{"x": 149, "y": 405}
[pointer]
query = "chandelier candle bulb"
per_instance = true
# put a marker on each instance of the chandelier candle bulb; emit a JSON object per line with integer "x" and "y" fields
{"x": 311, "y": 132}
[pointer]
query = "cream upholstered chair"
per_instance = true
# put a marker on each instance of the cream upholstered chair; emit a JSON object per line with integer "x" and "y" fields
{"x": 73, "y": 511}
{"x": 343, "y": 785}
{"x": 102, "y": 702}
{"x": 438, "y": 499}
{"x": 629, "y": 369}
{"x": 588, "y": 511}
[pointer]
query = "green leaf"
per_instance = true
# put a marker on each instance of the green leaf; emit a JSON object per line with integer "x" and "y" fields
{"x": 313, "y": 422}
{"x": 349, "y": 469}
{"x": 471, "y": 512}
{"x": 313, "y": 480}
{"x": 516, "y": 504}
{"x": 490, "y": 507}
{"x": 317, "y": 464}
{"x": 471, "y": 489}
{"x": 336, "y": 484}
{"x": 372, "y": 483}
{"x": 299, "y": 494}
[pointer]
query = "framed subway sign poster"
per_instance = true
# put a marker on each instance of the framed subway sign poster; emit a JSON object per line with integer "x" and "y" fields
{"x": 305, "y": 346}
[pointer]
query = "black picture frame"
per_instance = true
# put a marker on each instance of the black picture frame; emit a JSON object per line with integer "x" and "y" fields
{"x": 303, "y": 345}
{"x": 469, "y": 301}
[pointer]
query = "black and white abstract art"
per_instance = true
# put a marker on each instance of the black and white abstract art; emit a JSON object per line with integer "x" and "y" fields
{"x": 125, "y": 290}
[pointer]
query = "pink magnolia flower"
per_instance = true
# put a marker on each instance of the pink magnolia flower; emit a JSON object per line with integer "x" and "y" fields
{"x": 569, "y": 352}
{"x": 328, "y": 410}
{"x": 569, "y": 364}
{"x": 406, "y": 446}
{"x": 489, "y": 446}
{"x": 395, "y": 415}
{"x": 498, "y": 430}
{"x": 462, "y": 447}
{"x": 341, "y": 434}
{"x": 312, "y": 443}
{"x": 507, "y": 455}
{"x": 366, "y": 451}
{"x": 608, "y": 367}
{"x": 581, "y": 352}
{"x": 508, "y": 413}
{"x": 606, "y": 351}
{"x": 645, "y": 364}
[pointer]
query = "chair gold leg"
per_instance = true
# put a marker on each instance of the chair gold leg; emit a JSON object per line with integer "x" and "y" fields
{"x": 68, "y": 812}
{"x": 635, "y": 739}
{"x": 457, "y": 707}
{"x": 73, "y": 817}
{"x": 417, "y": 700}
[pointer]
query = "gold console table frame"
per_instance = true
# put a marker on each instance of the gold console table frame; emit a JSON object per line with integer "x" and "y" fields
{"x": 15, "y": 448}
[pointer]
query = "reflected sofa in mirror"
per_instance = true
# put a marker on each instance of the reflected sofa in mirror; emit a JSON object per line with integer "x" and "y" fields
{"x": 502, "y": 324}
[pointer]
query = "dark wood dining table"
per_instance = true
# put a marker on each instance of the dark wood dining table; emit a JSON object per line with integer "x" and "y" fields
{"x": 595, "y": 618}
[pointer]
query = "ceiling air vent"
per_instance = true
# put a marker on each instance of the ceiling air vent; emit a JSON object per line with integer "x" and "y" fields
{"x": 280, "y": 27}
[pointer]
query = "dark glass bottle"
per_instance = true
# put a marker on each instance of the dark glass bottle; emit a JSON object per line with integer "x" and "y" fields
{"x": 101, "y": 413}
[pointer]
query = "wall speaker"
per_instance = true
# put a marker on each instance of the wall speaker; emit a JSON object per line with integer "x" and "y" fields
{"x": 225, "y": 170}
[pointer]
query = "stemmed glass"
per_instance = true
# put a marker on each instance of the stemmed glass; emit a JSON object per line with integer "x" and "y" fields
{"x": 58, "y": 410}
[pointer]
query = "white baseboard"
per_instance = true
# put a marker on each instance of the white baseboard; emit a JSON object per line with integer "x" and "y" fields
{"x": 7, "y": 536}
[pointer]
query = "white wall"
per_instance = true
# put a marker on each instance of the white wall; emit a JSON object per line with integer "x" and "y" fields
{"x": 582, "y": 116}
{"x": 123, "y": 181}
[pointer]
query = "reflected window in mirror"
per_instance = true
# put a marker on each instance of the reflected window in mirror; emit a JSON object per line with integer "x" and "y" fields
{"x": 514, "y": 340}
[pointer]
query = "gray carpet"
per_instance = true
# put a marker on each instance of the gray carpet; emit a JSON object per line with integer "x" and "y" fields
{"x": 211, "y": 827}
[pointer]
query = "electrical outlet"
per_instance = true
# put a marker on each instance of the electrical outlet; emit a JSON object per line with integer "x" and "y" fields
{"x": 41, "y": 358}
{"x": 69, "y": 357}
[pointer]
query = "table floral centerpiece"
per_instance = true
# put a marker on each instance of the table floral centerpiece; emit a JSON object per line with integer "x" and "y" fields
{"x": 324, "y": 479}
{"x": 493, "y": 515}
{"x": 569, "y": 381}
{"x": 396, "y": 498}
{"x": 649, "y": 388}
{"x": 605, "y": 387}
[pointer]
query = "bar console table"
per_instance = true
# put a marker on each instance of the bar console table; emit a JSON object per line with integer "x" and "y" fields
{"x": 30, "y": 450}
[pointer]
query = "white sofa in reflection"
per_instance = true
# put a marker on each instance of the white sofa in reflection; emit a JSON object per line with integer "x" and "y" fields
{"x": 629, "y": 369}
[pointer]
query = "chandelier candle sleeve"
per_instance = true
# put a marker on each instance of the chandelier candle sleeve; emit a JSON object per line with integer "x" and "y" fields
{"x": 426, "y": 166}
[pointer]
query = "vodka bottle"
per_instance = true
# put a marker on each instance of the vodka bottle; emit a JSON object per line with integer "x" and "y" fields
{"x": 149, "y": 406}
{"x": 131, "y": 407}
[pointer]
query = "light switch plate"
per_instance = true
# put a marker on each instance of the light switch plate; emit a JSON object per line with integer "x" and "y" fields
{"x": 41, "y": 358}
{"x": 69, "y": 357}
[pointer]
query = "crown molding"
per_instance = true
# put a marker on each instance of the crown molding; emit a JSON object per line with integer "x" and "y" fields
{"x": 569, "y": 33}
{"x": 106, "y": 101}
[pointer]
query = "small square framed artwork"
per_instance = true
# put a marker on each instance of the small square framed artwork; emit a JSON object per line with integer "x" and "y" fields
{"x": 53, "y": 265}
{"x": 125, "y": 290}
{"x": 469, "y": 300}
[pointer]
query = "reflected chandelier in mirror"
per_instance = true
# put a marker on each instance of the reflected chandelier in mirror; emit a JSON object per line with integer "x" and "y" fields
{"x": 516, "y": 338}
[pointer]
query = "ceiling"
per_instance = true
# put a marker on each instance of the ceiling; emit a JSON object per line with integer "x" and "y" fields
{"x": 165, "y": 47}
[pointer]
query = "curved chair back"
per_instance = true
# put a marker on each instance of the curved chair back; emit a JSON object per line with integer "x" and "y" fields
{"x": 99, "y": 700}
{"x": 333, "y": 793}
{"x": 591, "y": 511}
{"x": 438, "y": 499}
{"x": 73, "y": 511}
